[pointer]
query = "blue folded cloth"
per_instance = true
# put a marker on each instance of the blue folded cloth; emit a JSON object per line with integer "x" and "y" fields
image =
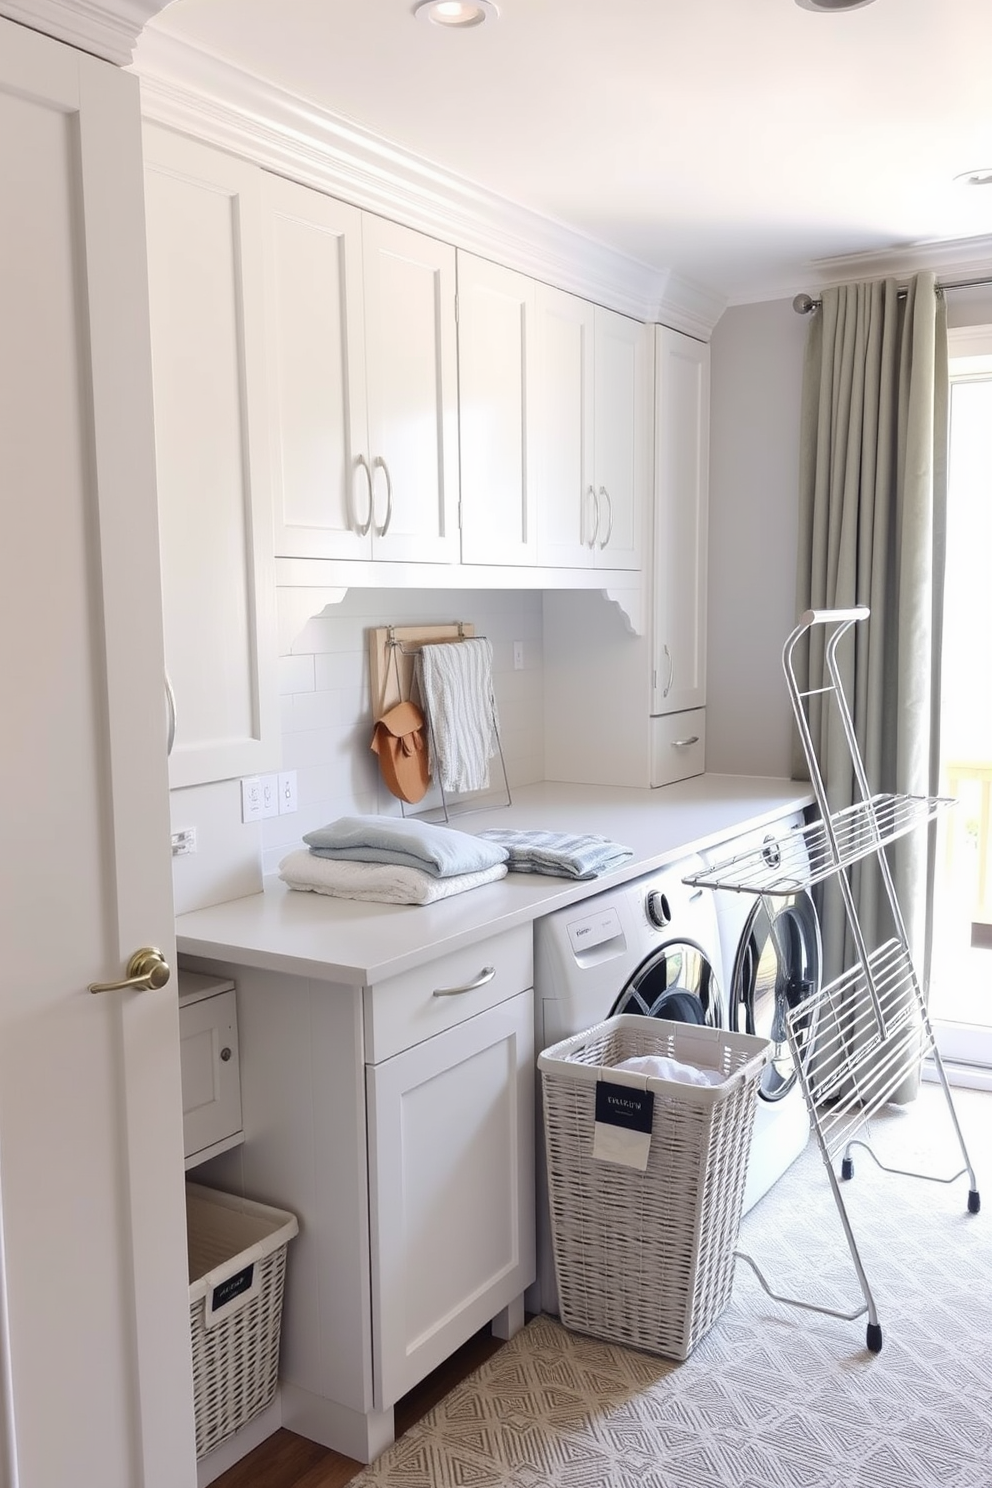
{"x": 440, "y": 851}
{"x": 560, "y": 854}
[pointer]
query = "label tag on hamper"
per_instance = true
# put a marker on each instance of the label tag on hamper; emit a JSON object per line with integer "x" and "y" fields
{"x": 233, "y": 1286}
{"x": 623, "y": 1125}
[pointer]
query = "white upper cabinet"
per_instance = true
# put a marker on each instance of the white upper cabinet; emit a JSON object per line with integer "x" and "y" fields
{"x": 594, "y": 430}
{"x": 362, "y": 383}
{"x": 496, "y": 385}
{"x": 211, "y": 440}
{"x": 411, "y": 369}
{"x": 622, "y": 439}
{"x": 321, "y": 477}
{"x": 682, "y": 397}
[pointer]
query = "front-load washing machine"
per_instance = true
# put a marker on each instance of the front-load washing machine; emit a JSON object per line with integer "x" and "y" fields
{"x": 770, "y": 948}
{"x": 651, "y": 947}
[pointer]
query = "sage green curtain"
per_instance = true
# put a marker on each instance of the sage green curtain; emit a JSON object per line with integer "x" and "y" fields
{"x": 873, "y": 496}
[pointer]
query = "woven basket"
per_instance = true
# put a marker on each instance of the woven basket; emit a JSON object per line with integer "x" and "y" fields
{"x": 646, "y": 1258}
{"x": 237, "y": 1266}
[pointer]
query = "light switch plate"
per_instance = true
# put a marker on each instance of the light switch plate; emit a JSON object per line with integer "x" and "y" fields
{"x": 251, "y": 798}
{"x": 270, "y": 794}
{"x": 287, "y": 791}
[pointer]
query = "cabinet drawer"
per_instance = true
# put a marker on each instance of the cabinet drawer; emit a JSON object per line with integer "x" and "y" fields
{"x": 210, "y": 1070}
{"x": 678, "y": 746}
{"x": 404, "y": 1010}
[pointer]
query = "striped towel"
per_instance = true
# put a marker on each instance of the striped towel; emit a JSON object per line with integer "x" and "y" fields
{"x": 456, "y": 689}
{"x": 560, "y": 854}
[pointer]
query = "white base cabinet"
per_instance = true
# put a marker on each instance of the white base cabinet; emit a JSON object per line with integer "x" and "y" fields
{"x": 451, "y": 1184}
{"x": 397, "y": 1123}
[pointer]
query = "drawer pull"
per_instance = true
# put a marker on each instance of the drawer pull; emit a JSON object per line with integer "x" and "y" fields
{"x": 684, "y": 743}
{"x": 485, "y": 975}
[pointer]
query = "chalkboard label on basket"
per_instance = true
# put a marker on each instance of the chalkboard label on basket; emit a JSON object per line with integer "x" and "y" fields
{"x": 623, "y": 1125}
{"x": 233, "y": 1287}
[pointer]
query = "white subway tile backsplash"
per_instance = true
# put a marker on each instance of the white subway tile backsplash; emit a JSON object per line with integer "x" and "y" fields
{"x": 296, "y": 674}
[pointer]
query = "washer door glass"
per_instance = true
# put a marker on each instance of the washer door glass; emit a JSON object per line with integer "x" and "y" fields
{"x": 778, "y": 969}
{"x": 677, "y": 981}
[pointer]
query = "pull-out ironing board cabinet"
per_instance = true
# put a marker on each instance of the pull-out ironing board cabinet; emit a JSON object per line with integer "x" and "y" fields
{"x": 869, "y": 1025}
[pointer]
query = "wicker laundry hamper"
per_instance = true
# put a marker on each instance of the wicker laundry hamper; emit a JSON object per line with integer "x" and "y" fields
{"x": 646, "y": 1258}
{"x": 237, "y": 1266}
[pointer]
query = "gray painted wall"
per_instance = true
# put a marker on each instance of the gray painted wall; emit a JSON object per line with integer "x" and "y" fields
{"x": 757, "y": 359}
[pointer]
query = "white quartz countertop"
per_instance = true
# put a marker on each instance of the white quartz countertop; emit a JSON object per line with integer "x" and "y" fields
{"x": 345, "y": 940}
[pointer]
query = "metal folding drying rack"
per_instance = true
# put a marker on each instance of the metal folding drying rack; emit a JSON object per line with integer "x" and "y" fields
{"x": 856, "y": 1040}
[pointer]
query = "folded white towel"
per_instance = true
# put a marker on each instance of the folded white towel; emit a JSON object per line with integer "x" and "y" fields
{"x": 383, "y": 883}
{"x": 439, "y": 851}
{"x": 456, "y": 689}
{"x": 660, "y": 1067}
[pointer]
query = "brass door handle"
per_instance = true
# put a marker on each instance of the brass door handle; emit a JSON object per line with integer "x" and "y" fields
{"x": 146, "y": 970}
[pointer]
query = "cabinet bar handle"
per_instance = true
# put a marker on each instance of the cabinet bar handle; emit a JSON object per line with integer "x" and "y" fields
{"x": 609, "y": 507}
{"x": 684, "y": 743}
{"x": 485, "y": 975}
{"x": 671, "y": 672}
{"x": 591, "y": 543}
{"x": 379, "y": 463}
{"x": 363, "y": 527}
{"x": 170, "y": 704}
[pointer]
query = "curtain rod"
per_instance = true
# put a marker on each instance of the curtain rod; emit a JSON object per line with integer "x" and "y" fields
{"x": 803, "y": 304}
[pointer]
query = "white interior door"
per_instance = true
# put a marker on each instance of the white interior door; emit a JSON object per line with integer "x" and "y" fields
{"x": 95, "y": 1333}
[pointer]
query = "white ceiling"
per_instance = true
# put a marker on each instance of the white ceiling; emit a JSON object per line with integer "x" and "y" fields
{"x": 730, "y": 141}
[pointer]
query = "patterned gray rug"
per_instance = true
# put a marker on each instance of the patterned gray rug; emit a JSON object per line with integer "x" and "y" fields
{"x": 772, "y": 1397}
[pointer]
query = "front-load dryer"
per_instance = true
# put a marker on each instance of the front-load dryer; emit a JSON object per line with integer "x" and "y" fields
{"x": 651, "y": 946}
{"x": 771, "y": 954}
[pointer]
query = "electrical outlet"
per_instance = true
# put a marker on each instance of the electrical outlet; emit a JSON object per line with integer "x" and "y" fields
{"x": 518, "y": 656}
{"x": 251, "y": 798}
{"x": 184, "y": 842}
{"x": 270, "y": 794}
{"x": 287, "y": 791}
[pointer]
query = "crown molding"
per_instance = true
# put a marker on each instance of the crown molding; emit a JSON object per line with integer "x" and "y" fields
{"x": 949, "y": 258}
{"x": 105, "y": 28}
{"x": 189, "y": 90}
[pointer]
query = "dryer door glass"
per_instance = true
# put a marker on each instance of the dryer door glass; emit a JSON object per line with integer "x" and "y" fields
{"x": 777, "y": 969}
{"x": 677, "y": 981}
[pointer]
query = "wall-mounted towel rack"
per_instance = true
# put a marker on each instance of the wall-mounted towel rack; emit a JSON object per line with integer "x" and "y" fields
{"x": 393, "y": 652}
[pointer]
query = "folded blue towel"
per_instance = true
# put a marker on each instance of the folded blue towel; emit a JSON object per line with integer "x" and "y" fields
{"x": 560, "y": 854}
{"x": 440, "y": 851}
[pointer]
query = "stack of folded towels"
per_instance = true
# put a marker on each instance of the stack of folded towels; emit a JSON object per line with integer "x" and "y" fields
{"x": 392, "y": 860}
{"x": 561, "y": 854}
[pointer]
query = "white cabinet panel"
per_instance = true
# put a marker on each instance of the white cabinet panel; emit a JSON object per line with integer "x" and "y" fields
{"x": 211, "y": 446}
{"x": 678, "y": 746}
{"x": 451, "y": 1189}
{"x": 496, "y": 388}
{"x": 567, "y": 513}
{"x": 682, "y": 393}
{"x": 411, "y": 359}
{"x": 594, "y": 431}
{"x": 622, "y": 437}
{"x": 319, "y": 423}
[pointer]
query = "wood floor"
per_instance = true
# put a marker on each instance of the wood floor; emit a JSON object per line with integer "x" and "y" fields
{"x": 286, "y": 1460}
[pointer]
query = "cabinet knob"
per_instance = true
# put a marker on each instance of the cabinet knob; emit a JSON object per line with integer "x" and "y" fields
{"x": 225, "y": 1054}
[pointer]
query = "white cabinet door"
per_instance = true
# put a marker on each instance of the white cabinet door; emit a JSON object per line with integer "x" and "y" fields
{"x": 97, "y": 1377}
{"x": 622, "y": 443}
{"x": 682, "y": 396}
{"x": 411, "y": 372}
{"x": 496, "y": 386}
{"x": 211, "y": 436}
{"x": 451, "y": 1189}
{"x": 567, "y": 499}
{"x": 321, "y": 477}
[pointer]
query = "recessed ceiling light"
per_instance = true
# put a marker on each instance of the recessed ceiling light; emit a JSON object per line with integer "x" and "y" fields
{"x": 832, "y": 5}
{"x": 980, "y": 177}
{"x": 458, "y": 14}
